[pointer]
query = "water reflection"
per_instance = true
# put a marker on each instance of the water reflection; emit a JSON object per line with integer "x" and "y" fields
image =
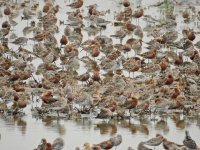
{"x": 54, "y": 123}
{"x": 106, "y": 128}
{"x": 14, "y": 121}
{"x": 140, "y": 127}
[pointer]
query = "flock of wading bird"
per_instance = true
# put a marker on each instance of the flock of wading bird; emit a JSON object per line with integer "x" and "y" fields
{"x": 188, "y": 143}
{"x": 164, "y": 63}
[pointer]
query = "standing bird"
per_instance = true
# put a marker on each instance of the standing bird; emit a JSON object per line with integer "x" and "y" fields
{"x": 116, "y": 140}
{"x": 20, "y": 41}
{"x": 149, "y": 54}
{"x": 58, "y": 144}
{"x": 169, "y": 79}
{"x": 47, "y": 98}
{"x": 178, "y": 59}
{"x": 77, "y": 4}
{"x": 7, "y": 11}
{"x": 84, "y": 77}
{"x": 63, "y": 40}
{"x": 155, "y": 141}
{"x": 189, "y": 142}
{"x": 130, "y": 104}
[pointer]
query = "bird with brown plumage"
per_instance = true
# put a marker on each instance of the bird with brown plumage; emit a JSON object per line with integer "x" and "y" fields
{"x": 176, "y": 92}
{"x": 126, "y": 3}
{"x": 149, "y": 54}
{"x": 63, "y": 40}
{"x": 96, "y": 77}
{"x": 77, "y": 4}
{"x": 47, "y": 98}
{"x": 105, "y": 144}
{"x": 164, "y": 64}
{"x": 130, "y": 103}
{"x": 84, "y": 77}
{"x": 179, "y": 59}
{"x": 169, "y": 79}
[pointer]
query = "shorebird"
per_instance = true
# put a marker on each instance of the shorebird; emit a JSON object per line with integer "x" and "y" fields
{"x": 190, "y": 35}
{"x": 139, "y": 12}
{"x": 27, "y": 14}
{"x": 130, "y": 104}
{"x": 105, "y": 113}
{"x": 130, "y": 27}
{"x": 20, "y": 41}
{"x": 149, "y": 54}
{"x": 22, "y": 102}
{"x": 164, "y": 64}
{"x": 179, "y": 59}
{"x": 168, "y": 145}
{"x": 58, "y": 144}
{"x": 155, "y": 141}
{"x": 63, "y": 40}
{"x": 77, "y": 4}
{"x": 42, "y": 145}
{"x": 126, "y": 3}
{"x": 189, "y": 142}
{"x": 120, "y": 34}
{"x": 175, "y": 93}
{"x": 117, "y": 140}
{"x": 105, "y": 144}
{"x": 84, "y": 77}
{"x": 169, "y": 79}
{"x": 47, "y": 98}
{"x": 96, "y": 77}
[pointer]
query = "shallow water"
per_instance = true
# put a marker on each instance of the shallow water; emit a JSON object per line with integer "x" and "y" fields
{"x": 26, "y": 132}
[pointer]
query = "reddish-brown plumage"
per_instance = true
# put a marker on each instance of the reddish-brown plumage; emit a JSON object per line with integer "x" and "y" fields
{"x": 161, "y": 40}
{"x": 178, "y": 59}
{"x": 96, "y": 77}
{"x": 21, "y": 103}
{"x": 192, "y": 54}
{"x": 47, "y": 98}
{"x": 55, "y": 79}
{"x": 127, "y": 47}
{"x": 14, "y": 76}
{"x": 84, "y": 77}
{"x": 63, "y": 40}
{"x": 77, "y": 4}
{"x": 7, "y": 11}
{"x": 49, "y": 146}
{"x": 175, "y": 93}
{"x": 138, "y": 13}
{"x": 164, "y": 64}
{"x": 105, "y": 144}
{"x": 46, "y": 8}
{"x": 150, "y": 54}
{"x": 191, "y": 35}
{"x": 131, "y": 103}
{"x": 95, "y": 52}
{"x": 169, "y": 80}
{"x": 18, "y": 88}
{"x": 16, "y": 96}
{"x": 136, "y": 66}
{"x": 129, "y": 26}
{"x": 126, "y": 3}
